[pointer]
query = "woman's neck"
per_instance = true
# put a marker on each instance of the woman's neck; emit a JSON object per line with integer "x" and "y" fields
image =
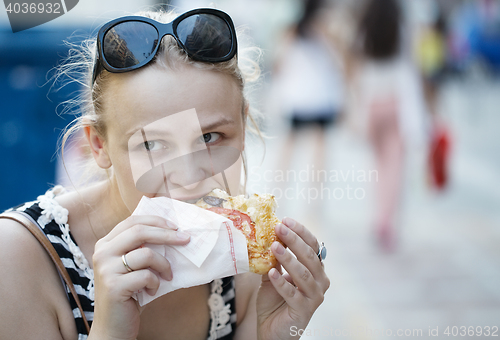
{"x": 104, "y": 207}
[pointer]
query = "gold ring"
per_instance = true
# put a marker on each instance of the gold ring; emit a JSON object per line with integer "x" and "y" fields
{"x": 125, "y": 263}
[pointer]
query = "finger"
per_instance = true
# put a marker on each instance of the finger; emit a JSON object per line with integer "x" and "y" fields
{"x": 139, "y": 280}
{"x": 151, "y": 220}
{"x": 144, "y": 258}
{"x": 288, "y": 278}
{"x": 284, "y": 288}
{"x": 139, "y": 234}
{"x": 305, "y": 254}
{"x": 300, "y": 274}
{"x": 278, "y": 267}
{"x": 302, "y": 232}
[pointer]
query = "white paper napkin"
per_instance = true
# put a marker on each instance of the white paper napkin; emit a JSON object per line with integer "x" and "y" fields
{"x": 216, "y": 249}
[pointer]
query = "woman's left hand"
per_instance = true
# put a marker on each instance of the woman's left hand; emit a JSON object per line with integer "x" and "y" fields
{"x": 288, "y": 301}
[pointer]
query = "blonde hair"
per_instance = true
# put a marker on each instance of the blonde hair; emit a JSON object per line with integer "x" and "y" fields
{"x": 243, "y": 68}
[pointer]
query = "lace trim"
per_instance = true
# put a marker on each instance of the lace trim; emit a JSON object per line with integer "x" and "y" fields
{"x": 51, "y": 210}
{"x": 219, "y": 312}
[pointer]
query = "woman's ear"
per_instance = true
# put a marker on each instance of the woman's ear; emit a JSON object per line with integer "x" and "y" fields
{"x": 97, "y": 149}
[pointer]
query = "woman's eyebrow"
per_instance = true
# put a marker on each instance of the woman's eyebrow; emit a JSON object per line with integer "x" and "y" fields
{"x": 139, "y": 133}
{"x": 217, "y": 123}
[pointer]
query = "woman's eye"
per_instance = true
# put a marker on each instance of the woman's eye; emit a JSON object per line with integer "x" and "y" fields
{"x": 153, "y": 145}
{"x": 211, "y": 137}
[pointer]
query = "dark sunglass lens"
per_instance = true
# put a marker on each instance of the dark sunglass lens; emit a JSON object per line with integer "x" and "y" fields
{"x": 205, "y": 36}
{"x": 129, "y": 43}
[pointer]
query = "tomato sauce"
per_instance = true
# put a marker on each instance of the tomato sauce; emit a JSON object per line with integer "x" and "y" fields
{"x": 237, "y": 217}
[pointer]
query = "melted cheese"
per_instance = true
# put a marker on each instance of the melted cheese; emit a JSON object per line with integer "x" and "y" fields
{"x": 261, "y": 210}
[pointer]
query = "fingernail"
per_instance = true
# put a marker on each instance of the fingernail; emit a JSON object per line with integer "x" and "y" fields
{"x": 183, "y": 236}
{"x": 290, "y": 222}
{"x": 280, "y": 250}
{"x": 283, "y": 230}
{"x": 274, "y": 273}
{"x": 168, "y": 276}
{"x": 151, "y": 292}
{"x": 172, "y": 225}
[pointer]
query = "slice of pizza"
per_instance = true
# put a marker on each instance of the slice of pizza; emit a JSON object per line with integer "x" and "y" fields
{"x": 255, "y": 218}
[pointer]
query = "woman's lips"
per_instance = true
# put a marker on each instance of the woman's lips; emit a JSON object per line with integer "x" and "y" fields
{"x": 190, "y": 198}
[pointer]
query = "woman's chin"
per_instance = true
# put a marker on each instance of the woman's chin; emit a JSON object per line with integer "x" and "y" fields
{"x": 191, "y": 201}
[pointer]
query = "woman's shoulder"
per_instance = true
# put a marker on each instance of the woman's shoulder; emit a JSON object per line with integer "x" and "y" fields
{"x": 20, "y": 252}
{"x": 21, "y": 255}
{"x": 30, "y": 285}
{"x": 17, "y": 244}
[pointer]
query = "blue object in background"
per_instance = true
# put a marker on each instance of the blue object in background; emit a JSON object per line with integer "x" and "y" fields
{"x": 29, "y": 124}
{"x": 487, "y": 45}
{"x": 477, "y": 27}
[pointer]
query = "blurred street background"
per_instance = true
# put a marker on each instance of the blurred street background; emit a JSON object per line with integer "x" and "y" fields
{"x": 428, "y": 266}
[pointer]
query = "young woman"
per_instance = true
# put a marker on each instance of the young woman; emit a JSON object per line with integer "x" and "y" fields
{"x": 144, "y": 96}
{"x": 390, "y": 108}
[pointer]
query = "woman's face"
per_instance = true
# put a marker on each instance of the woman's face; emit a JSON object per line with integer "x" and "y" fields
{"x": 176, "y": 133}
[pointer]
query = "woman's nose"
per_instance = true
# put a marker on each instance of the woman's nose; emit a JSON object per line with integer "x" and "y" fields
{"x": 186, "y": 171}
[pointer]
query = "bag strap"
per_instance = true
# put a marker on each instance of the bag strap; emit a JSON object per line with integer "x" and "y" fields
{"x": 26, "y": 221}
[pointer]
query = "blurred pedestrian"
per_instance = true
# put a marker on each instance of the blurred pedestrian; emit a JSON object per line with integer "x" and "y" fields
{"x": 431, "y": 53}
{"x": 309, "y": 80}
{"x": 388, "y": 102}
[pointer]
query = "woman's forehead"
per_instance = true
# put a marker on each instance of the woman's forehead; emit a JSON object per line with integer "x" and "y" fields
{"x": 136, "y": 99}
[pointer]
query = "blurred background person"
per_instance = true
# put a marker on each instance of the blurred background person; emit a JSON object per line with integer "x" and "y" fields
{"x": 390, "y": 109}
{"x": 308, "y": 81}
{"x": 431, "y": 53}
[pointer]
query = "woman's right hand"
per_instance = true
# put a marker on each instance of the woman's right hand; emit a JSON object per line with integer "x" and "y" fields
{"x": 116, "y": 313}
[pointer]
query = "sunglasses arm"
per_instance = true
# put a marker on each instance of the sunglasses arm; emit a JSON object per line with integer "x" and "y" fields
{"x": 97, "y": 70}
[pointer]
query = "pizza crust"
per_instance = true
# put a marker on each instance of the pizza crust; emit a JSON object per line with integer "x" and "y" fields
{"x": 259, "y": 233}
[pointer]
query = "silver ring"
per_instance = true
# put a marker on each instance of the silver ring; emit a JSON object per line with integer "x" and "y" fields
{"x": 321, "y": 252}
{"x": 125, "y": 263}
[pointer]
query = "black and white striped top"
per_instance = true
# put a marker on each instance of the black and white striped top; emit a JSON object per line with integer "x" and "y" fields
{"x": 53, "y": 218}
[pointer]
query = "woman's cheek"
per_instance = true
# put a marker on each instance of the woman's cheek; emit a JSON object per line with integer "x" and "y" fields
{"x": 126, "y": 183}
{"x": 233, "y": 177}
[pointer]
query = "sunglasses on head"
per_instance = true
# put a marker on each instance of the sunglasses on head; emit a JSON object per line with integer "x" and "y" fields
{"x": 131, "y": 42}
